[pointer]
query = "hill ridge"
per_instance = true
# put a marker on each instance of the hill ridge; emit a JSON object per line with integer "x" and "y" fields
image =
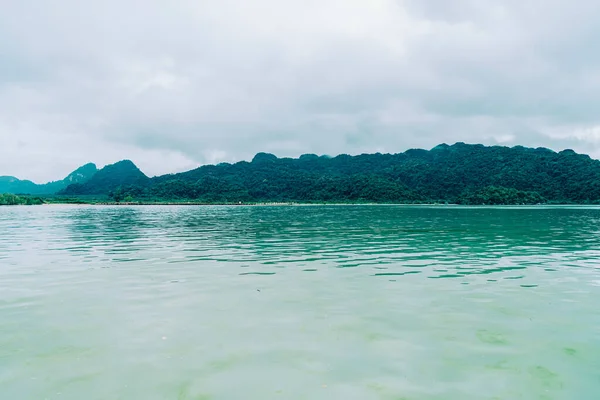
{"x": 458, "y": 173}
{"x": 107, "y": 179}
{"x": 13, "y": 185}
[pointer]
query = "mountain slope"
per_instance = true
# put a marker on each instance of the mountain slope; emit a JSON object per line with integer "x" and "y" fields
{"x": 9, "y": 184}
{"x": 122, "y": 173}
{"x": 462, "y": 173}
{"x": 81, "y": 174}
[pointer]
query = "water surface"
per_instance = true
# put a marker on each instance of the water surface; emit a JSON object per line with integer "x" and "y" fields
{"x": 337, "y": 302}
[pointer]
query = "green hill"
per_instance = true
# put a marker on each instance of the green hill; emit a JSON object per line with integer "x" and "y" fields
{"x": 106, "y": 180}
{"x": 461, "y": 173}
{"x": 10, "y": 184}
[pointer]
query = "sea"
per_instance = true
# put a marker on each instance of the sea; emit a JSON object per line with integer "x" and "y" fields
{"x": 299, "y": 302}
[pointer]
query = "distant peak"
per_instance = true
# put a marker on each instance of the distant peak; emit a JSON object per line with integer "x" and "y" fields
{"x": 309, "y": 157}
{"x": 86, "y": 167}
{"x": 125, "y": 163}
{"x": 123, "y": 166}
{"x": 264, "y": 157}
{"x": 568, "y": 151}
{"x": 81, "y": 174}
{"x": 8, "y": 179}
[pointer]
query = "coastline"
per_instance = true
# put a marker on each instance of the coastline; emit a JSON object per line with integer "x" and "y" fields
{"x": 91, "y": 201}
{"x": 297, "y": 204}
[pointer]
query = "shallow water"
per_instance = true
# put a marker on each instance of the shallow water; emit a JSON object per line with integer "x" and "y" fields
{"x": 338, "y": 302}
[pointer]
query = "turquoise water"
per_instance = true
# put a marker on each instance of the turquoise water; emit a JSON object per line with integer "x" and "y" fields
{"x": 338, "y": 302}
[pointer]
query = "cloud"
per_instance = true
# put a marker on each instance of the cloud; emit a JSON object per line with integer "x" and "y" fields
{"x": 172, "y": 87}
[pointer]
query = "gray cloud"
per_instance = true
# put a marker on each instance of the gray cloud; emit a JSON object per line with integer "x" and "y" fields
{"x": 172, "y": 87}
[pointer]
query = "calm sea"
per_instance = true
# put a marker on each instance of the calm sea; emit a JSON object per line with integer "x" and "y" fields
{"x": 314, "y": 302}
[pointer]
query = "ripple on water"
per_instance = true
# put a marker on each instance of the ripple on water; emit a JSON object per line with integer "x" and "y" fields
{"x": 163, "y": 302}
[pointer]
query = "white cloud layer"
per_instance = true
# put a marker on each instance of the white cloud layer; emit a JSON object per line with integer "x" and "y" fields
{"x": 175, "y": 85}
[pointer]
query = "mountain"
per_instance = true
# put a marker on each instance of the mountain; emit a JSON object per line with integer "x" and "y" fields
{"x": 10, "y": 184}
{"x": 81, "y": 174}
{"x": 109, "y": 178}
{"x": 460, "y": 173}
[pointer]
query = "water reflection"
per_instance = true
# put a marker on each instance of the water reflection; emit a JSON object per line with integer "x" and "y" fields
{"x": 386, "y": 241}
{"x": 299, "y": 302}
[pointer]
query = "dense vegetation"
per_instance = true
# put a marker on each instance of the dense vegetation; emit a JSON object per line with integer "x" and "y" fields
{"x": 10, "y": 184}
{"x": 9, "y": 199}
{"x": 498, "y": 195}
{"x": 123, "y": 173}
{"x": 461, "y": 173}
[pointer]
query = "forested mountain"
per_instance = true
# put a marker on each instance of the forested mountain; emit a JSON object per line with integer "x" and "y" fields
{"x": 121, "y": 174}
{"x": 461, "y": 173}
{"x": 9, "y": 184}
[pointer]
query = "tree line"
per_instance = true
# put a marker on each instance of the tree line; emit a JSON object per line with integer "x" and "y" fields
{"x": 461, "y": 173}
{"x": 9, "y": 199}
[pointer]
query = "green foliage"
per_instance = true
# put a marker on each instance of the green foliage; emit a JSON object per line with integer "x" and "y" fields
{"x": 108, "y": 179}
{"x": 461, "y": 173}
{"x": 492, "y": 195}
{"x": 9, "y": 199}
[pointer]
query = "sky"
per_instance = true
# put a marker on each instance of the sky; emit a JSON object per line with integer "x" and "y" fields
{"x": 174, "y": 85}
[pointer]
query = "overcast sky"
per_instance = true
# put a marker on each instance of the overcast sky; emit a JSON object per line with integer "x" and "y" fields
{"x": 173, "y": 85}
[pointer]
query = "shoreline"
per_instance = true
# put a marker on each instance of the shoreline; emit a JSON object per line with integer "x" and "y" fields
{"x": 294, "y": 204}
